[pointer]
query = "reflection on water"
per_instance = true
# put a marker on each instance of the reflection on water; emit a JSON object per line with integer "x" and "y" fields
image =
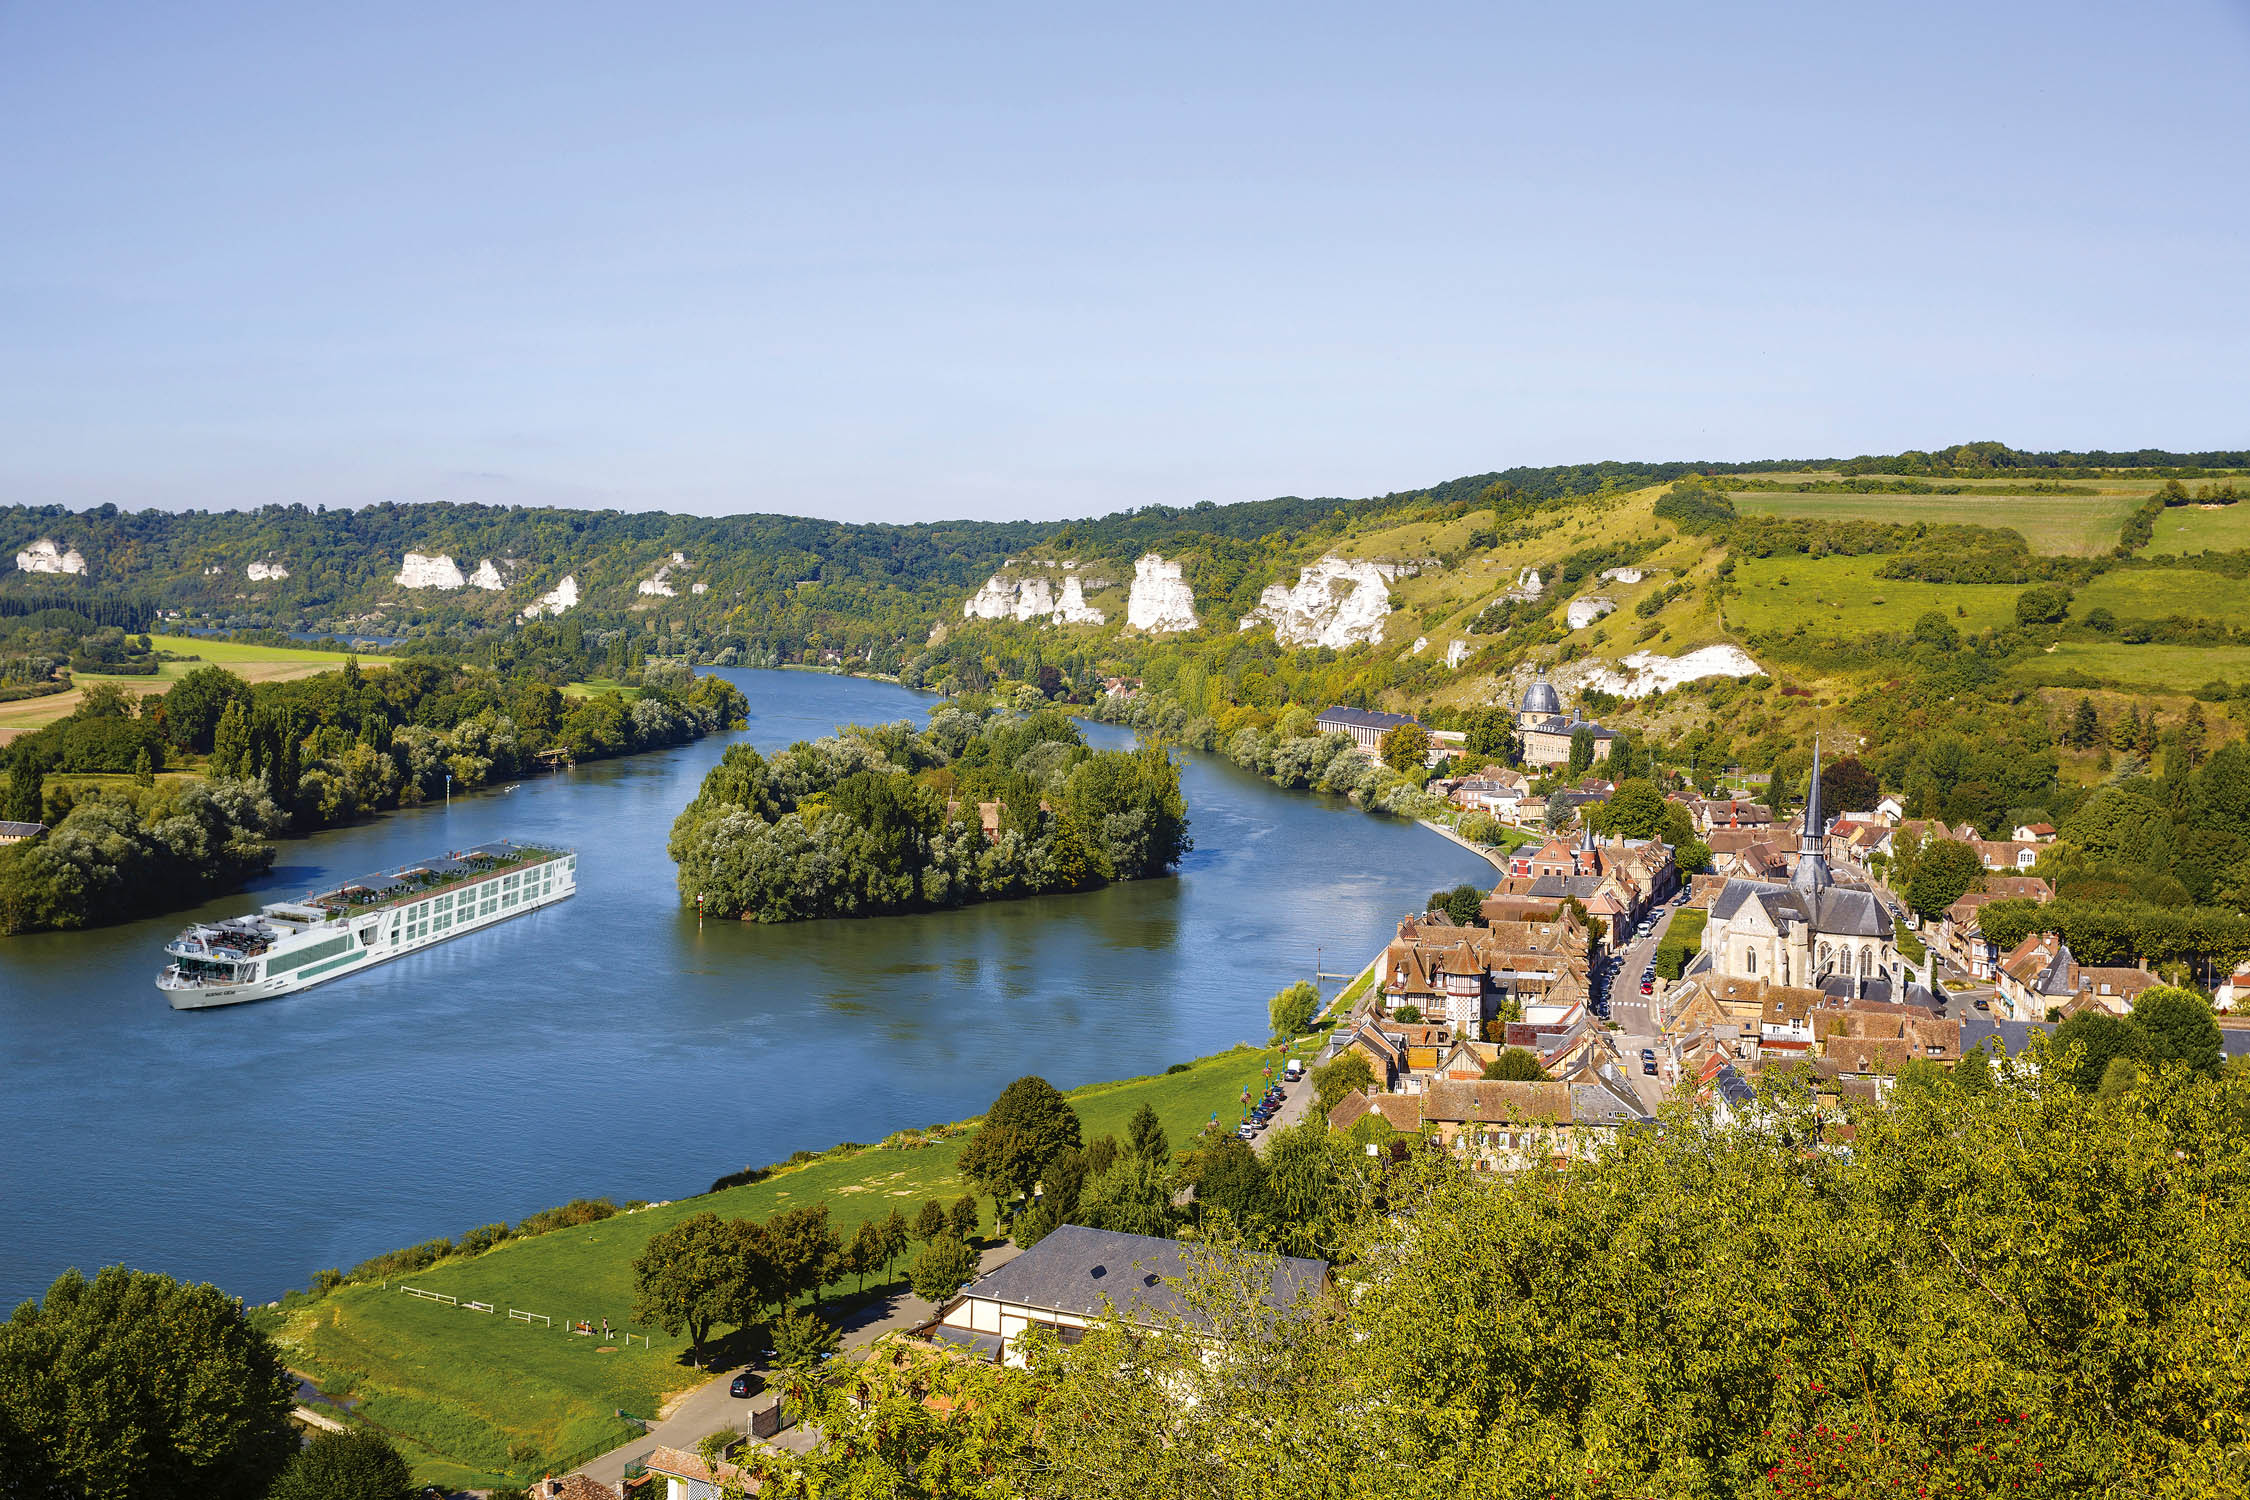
{"x": 612, "y": 1045}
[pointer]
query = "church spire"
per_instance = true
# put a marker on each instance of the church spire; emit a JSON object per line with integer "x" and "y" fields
{"x": 1812, "y": 862}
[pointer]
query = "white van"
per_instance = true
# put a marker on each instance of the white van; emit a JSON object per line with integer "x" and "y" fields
{"x": 1295, "y": 1070}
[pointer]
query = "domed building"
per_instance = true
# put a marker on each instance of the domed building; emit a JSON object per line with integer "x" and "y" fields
{"x": 1546, "y": 729}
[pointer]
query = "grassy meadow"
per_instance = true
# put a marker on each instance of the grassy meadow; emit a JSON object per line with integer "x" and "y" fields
{"x": 2186, "y": 529}
{"x": 1843, "y": 595}
{"x": 252, "y": 663}
{"x": 457, "y": 1388}
{"x": 2080, "y": 525}
{"x": 2160, "y": 593}
{"x": 2153, "y": 667}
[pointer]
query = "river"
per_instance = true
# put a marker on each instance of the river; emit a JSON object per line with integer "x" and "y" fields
{"x": 612, "y": 1045}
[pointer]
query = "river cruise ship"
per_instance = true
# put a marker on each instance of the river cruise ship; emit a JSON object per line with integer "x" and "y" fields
{"x": 294, "y": 945}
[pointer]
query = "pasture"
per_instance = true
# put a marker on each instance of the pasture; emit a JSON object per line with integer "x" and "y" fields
{"x": 252, "y": 663}
{"x": 2080, "y": 525}
{"x": 2160, "y": 593}
{"x": 1842, "y": 596}
{"x": 2187, "y": 529}
{"x": 457, "y": 1388}
{"x": 2148, "y": 668}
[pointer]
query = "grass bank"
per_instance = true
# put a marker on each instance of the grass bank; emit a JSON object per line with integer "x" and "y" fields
{"x": 458, "y": 1389}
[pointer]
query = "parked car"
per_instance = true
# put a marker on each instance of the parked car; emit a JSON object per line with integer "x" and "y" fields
{"x": 1648, "y": 986}
{"x": 744, "y": 1384}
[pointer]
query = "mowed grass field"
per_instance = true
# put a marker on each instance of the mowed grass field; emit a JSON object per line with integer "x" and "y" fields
{"x": 2191, "y": 528}
{"x": 2154, "y": 667}
{"x": 2079, "y": 525}
{"x": 252, "y": 663}
{"x": 457, "y": 1388}
{"x": 1842, "y": 595}
{"x": 2160, "y": 593}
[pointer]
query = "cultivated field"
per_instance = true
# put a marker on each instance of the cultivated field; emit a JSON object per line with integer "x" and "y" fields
{"x": 2075, "y": 524}
{"x": 456, "y": 1388}
{"x": 252, "y": 663}
{"x": 2191, "y": 528}
{"x": 1842, "y": 595}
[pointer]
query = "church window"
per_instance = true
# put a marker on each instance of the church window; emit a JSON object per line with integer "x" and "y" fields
{"x": 1866, "y": 962}
{"x": 1749, "y": 960}
{"x": 1827, "y": 958}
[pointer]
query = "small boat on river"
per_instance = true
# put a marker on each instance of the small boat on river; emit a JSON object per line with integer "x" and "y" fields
{"x": 293, "y": 945}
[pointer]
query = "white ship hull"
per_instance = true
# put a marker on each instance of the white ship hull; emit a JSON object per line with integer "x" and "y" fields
{"x": 312, "y": 952}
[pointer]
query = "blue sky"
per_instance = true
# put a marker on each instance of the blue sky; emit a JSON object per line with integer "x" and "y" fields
{"x": 898, "y": 263}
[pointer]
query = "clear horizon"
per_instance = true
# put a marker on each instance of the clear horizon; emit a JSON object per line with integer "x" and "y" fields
{"x": 883, "y": 265}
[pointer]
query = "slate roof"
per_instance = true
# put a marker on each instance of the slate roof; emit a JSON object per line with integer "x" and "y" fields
{"x": 21, "y": 830}
{"x": 1076, "y": 1270}
{"x": 1843, "y": 910}
{"x": 2013, "y": 1036}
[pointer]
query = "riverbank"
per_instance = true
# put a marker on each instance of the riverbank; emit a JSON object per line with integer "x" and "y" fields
{"x": 459, "y": 1390}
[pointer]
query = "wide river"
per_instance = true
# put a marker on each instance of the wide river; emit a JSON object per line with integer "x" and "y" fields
{"x": 612, "y": 1045}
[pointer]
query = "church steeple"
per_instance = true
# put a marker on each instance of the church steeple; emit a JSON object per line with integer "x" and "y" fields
{"x": 1812, "y": 870}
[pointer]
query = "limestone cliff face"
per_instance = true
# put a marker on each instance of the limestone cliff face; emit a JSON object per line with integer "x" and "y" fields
{"x": 266, "y": 572}
{"x": 562, "y": 596}
{"x": 1584, "y": 612}
{"x": 44, "y": 556}
{"x": 428, "y": 571}
{"x": 1033, "y": 596}
{"x": 486, "y": 576}
{"x": 1457, "y": 653}
{"x": 1161, "y": 601}
{"x": 1335, "y": 603}
{"x": 1645, "y": 672}
{"x": 659, "y": 585}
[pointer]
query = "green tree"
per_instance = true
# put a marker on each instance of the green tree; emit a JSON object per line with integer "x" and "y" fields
{"x": 804, "y": 1247}
{"x": 1846, "y": 785}
{"x": 1581, "y": 750}
{"x": 1348, "y": 1074}
{"x": 1488, "y": 734}
{"x": 2096, "y": 1037}
{"x": 1517, "y": 1065}
{"x": 1936, "y": 631}
{"x": 355, "y": 1465}
{"x": 2179, "y": 1026}
{"x": 963, "y": 1218}
{"x": 144, "y": 768}
{"x": 2085, "y": 725}
{"x": 1034, "y": 1106}
{"x": 803, "y": 1340}
{"x": 1945, "y": 870}
{"x": 135, "y": 1386}
{"x": 1133, "y": 1197}
{"x": 2042, "y": 604}
{"x": 1291, "y": 1011}
{"x": 1004, "y": 1163}
{"x": 26, "y": 800}
{"x": 1636, "y": 810}
{"x": 230, "y": 742}
{"x": 1034, "y": 1224}
{"x": 944, "y": 1267}
{"x": 1405, "y": 747}
{"x": 688, "y": 1278}
{"x": 1463, "y": 905}
{"x": 895, "y": 1238}
{"x": 863, "y": 1253}
{"x": 1145, "y": 1138}
{"x": 1228, "y": 1176}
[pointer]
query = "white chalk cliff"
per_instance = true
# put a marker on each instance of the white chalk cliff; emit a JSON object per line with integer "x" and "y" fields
{"x": 1457, "y": 653}
{"x": 1160, "y": 601}
{"x": 1006, "y": 597}
{"x": 486, "y": 576}
{"x": 557, "y": 599}
{"x": 1624, "y": 575}
{"x": 265, "y": 572}
{"x": 1335, "y": 603}
{"x": 1584, "y": 612}
{"x": 1645, "y": 672}
{"x": 425, "y": 571}
{"x": 43, "y": 556}
{"x": 659, "y": 585}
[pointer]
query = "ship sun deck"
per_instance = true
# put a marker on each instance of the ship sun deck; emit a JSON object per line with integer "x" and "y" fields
{"x": 423, "y": 877}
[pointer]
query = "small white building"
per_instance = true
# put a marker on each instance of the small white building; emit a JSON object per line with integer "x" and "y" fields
{"x": 1075, "y": 1277}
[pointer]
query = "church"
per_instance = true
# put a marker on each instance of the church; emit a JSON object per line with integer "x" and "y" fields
{"x": 1546, "y": 730}
{"x": 1807, "y": 931}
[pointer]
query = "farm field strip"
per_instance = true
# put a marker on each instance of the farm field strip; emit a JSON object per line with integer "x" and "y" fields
{"x": 2077, "y": 524}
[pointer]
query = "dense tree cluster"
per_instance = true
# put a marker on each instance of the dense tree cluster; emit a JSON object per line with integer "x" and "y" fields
{"x": 888, "y": 819}
{"x": 2008, "y": 1285}
{"x": 289, "y": 756}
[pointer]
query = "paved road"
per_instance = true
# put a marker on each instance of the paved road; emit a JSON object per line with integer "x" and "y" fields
{"x": 1292, "y": 1109}
{"x": 708, "y": 1408}
{"x": 1633, "y": 1012}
